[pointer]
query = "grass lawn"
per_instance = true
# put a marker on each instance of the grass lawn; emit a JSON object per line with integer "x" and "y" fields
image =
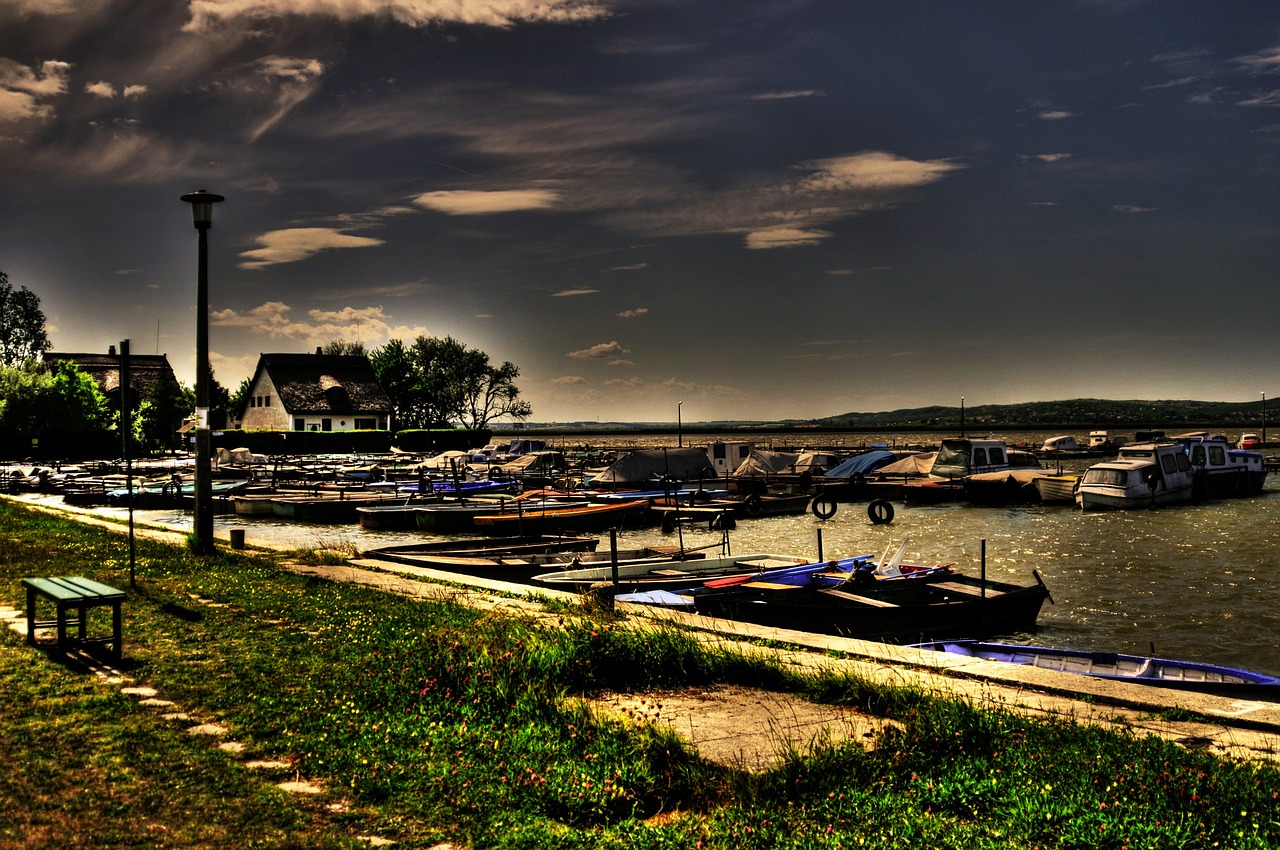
{"x": 427, "y": 722}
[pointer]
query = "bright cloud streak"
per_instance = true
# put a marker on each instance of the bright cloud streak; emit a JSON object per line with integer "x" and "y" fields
{"x": 205, "y": 14}
{"x": 293, "y": 79}
{"x": 876, "y": 170}
{"x": 300, "y": 243}
{"x": 599, "y": 351}
{"x": 785, "y": 237}
{"x": 468, "y": 202}
{"x": 369, "y": 325}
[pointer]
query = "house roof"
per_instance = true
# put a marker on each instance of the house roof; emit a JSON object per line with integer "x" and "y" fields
{"x": 145, "y": 370}
{"x": 324, "y": 383}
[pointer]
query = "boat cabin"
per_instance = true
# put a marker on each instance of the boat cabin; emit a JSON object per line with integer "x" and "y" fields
{"x": 1143, "y": 475}
{"x": 1065, "y": 443}
{"x": 727, "y": 457}
{"x": 958, "y": 457}
{"x": 1224, "y": 471}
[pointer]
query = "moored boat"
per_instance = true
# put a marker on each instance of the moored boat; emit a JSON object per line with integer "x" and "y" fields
{"x": 1058, "y": 489}
{"x": 1221, "y": 471}
{"x": 398, "y": 515}
{"x": 898, "y": 611}
{"x": 672, "y": 574}
{"x": 524, "y": 562}
{"x": 1144, "y": 475}
{"x": 545, "y": 518}
{"x": 1139, "y": 669}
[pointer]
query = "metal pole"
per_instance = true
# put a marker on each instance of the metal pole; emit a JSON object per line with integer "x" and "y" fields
{"x": 202, "y": 508}
{"x": 126, "y": 434}
{"x": 984, "y": 568}
{"x": 613, "y": 557}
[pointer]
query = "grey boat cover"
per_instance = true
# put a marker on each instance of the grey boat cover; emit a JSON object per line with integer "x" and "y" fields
{"x": 765, "y": 462}
{"x": 644, "y": 467}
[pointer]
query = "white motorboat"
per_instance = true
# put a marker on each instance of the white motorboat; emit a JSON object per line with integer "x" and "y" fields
{"x": 1222, "y": 471}
{"x": 1144, "y": 475}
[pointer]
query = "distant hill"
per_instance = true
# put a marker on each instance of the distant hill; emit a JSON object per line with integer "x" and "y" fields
{"x": 1073, "y": 414}
{"x": 1080, "y": 414}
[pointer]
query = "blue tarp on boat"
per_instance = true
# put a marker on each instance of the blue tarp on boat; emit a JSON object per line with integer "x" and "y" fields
{"x": 862, "y": 464}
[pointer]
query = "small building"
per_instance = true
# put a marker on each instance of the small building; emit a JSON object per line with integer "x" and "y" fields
{"x": 315, "y": 392}
{"x": 151, "y": 378}
{"x": 146, "y": 373}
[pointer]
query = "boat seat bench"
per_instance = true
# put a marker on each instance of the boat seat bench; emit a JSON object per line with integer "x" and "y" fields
{"x": 964, "y": 589}
{"x": 853, "y": 597}
{"x": 74, "y": 594}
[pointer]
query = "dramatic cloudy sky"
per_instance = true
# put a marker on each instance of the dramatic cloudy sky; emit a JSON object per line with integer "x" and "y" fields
{"x": 794, "y": 208}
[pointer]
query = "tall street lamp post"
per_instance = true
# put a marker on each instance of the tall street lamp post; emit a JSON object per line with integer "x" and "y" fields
{"x": 1264, "y": 419}
{"x": 679, "y": 426}
{"x": 202, "y": 513}
{"x": 962, "y": 416}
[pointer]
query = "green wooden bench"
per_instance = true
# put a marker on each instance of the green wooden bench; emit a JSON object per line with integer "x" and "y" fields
{"x": 78, "y": 595}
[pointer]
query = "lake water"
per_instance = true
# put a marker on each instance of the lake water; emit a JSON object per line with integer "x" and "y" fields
{"x": 1198, "y": 582}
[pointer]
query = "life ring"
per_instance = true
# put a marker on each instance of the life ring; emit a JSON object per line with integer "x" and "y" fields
{"x": 880, "y": 511}
{"x": 753, "y": 505}
{"x": 823, "y": 507}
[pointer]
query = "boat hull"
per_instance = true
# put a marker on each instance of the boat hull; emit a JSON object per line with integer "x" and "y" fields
{"x": 904, "y": 611}
{"x": 1141, "y": 670}
{"x": 595, "y": 517}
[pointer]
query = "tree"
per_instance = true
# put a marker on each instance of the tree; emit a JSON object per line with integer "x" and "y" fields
{"x": 55, "y": 410}
{"x": 341, "y": 347}
{"x": 240, "y": 398}
{"x": 24, "y": 336}
{"x": 493, "y": 393}
{"x": 436, "y": 382}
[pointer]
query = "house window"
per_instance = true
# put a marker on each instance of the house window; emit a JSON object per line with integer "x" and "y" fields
{"x": 326, "y": 424}
{"x": 266, "y": 401}
{"x": 366, "y": 424}
{"x": 299, "y": 424}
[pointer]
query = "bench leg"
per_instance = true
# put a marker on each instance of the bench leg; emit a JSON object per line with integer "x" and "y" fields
{"x": 31, "y": 616}
{"x": 62, "y": 626}
{"x": 116, "y": 631}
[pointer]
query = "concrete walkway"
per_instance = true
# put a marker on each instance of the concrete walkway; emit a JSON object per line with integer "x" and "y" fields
{"x": 751, "y": 728}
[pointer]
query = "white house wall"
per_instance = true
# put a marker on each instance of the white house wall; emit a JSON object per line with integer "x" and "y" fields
{"x": 265, "y": 411}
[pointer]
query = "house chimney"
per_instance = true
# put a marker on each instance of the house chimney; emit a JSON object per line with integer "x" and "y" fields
{"x": 111, "y": 351}
{"x": 319, "y": 349}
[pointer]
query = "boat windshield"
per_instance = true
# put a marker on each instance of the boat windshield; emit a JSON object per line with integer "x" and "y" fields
{"x": 1107, "y": 477}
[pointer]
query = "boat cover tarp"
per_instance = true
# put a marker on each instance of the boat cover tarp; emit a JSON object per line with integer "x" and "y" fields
{"x": 445, "y": 462}
{"x": 816, "y": 462}
{"x": 644, "y": 466}
{"x": 535, "y": 461}
{"x": 765, "y": 462}
{"x": 918, "y": 463}
{"x": 1020, "y": 477}
{"x": 862, "y": 464}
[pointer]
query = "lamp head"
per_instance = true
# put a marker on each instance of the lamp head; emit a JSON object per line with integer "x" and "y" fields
{"x": 202, "y": 206}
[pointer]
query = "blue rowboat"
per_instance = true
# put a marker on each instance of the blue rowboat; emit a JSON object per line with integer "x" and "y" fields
{"x": 1139, "y": 669}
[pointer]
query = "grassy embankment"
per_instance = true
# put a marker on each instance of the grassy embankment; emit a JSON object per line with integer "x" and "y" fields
{"x": 427, "y": 721}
